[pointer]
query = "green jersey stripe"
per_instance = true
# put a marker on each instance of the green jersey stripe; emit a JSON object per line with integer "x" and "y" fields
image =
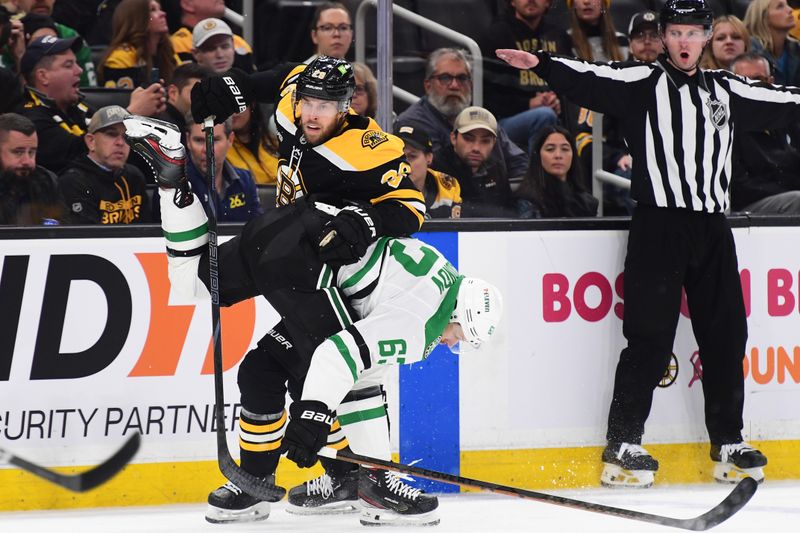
{"x": 351, "y": 364}
{"x": 361, "y": 416}
{"x": 188, "y": 235}
{"x": 435, "y": 325}
{"x": 339, "y": 307}
{"x": 376, "y": 255}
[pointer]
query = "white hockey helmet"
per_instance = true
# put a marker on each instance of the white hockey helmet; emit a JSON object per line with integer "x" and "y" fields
{"x": 479, "y": 308}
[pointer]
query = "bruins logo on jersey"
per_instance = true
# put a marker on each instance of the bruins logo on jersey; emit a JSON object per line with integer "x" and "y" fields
{"x": 371, "y": 139}
{"x": 289, "y": 187}
{"x": 448, "y": 181}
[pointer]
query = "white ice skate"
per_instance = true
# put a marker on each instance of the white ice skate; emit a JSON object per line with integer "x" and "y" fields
{"x": 734, "y": 462}
{"x": 627, "y": 465}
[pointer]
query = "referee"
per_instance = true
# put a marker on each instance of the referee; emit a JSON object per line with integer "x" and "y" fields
{"x": 679, "y": 122}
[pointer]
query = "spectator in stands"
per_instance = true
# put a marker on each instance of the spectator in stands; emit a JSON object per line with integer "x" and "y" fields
{"x": 365, "y": 95}
{"x": 236, "y": 191}
{"x": 484, "y": 179}
{"x": 729, "y": 40}
{"x": 28, "y": 194}
{"x": 53, "y": 102}
{"x": 644, "y": 38}
{"x": 179, "y": 93}
{"x": 212, "y": 45}
{"x": 99, "y": 187}
{"x": 254, "y": 148}
{"x": 553, "y": 187}
{"x": 192, "y": 12}
{"x": 83, "y": 54}
{"x": 765, "y": 175}
{"x": 522, "y": 100}
{"x": 140, "y": 52}
{"x": 14, "y": 36}
{"x": 448, "y": 91}
{"x": 37, "y": 25}
{"x": 594, "y": 37}
{"x": 441, "y": 191}
{"x": 769, "y": 23}
{"x": 331, "y": 30}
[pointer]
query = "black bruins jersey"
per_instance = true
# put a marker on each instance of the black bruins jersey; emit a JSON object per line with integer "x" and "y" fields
{"x": 361, "y": 162}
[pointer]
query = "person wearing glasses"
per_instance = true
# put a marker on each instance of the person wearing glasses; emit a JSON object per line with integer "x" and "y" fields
{"x": 448, "y": 91}
{"x": 331, "y": 30}
{"x": 365, "y": 95}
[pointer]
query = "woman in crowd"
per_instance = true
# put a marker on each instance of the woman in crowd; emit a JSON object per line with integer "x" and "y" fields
{"x": 254, "y": 148}
{"x": 140, "y": 52}
{"x": 594, "y": 37}
{"x": 365, "y": 96}
{"x": 769, "y": 23}
{"x": 553, "y": 186}
{"x": 729, "y": 40}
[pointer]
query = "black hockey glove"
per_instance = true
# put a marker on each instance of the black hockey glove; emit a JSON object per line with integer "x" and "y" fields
{"x": 345, "y": 238}
{"x": 307, "y": 431}
{"x": 221, "y": 96}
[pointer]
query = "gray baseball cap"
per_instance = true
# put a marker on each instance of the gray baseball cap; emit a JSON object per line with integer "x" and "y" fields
{"x": 107, "y": 116}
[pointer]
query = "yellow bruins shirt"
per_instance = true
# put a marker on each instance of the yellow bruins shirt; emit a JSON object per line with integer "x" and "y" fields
{"x": 361, "y": 162}
{"x": 442, "y": 195}
{"x": 264, "y": 169}
{"x": 124, "y": 69}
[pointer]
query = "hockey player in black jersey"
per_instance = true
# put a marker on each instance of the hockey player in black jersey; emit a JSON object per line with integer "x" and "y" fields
{"x": 678, "y": 121}
{"x": 326, "y": 152}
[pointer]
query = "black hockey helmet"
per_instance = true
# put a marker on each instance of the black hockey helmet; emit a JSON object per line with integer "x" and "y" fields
{"x": 327, "y": 78}
{"x": 686, "y": 12}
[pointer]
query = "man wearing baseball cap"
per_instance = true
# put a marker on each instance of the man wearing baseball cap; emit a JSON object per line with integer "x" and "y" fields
{"x": 645, "y": 41}
{"x": 100, "y": 187}
{"x": 483, "y": 176}
{"x": 212, "y": 45}
{"x": 441, "y": 191}
{"x": 53, "y": 101}
{"x": 195, "y": 13}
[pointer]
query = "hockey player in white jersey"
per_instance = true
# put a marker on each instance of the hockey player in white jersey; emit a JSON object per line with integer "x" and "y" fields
{"x": 405, "y": 299}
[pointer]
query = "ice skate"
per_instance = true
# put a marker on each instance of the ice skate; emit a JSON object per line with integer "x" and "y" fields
{"x": 387, "y": 501}
{"x": 627, "y": 465}
{"x": 159, "y": 144}
{"x": 230, "y": 504}
{"x": 325, "y": 495}
{"x": 734, "y": 462}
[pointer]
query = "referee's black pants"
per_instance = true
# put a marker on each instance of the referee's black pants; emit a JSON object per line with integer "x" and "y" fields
{"x": 669, "y": 249}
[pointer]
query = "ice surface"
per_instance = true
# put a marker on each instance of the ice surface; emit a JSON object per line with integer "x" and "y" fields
{"x": 775, "y": 508}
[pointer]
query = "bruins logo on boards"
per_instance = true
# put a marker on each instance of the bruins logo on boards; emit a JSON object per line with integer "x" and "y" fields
{"x": 372, "y": 139}
{"x": 670, "y": 374}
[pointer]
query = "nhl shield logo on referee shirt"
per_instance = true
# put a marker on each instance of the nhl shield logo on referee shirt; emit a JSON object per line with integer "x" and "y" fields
{"x": 719, "y": 113}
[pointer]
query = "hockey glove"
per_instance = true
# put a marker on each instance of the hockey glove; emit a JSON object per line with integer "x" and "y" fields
{"x": 345, "y": 238}
{"x": 307, "y": 431}
{"x": 221, "y": 96}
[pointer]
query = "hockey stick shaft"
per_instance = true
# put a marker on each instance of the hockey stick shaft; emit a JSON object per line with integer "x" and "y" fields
{"x": 738, "y": 497}
{"x": 85, "y": 480}
{"x": 246, "y": 481}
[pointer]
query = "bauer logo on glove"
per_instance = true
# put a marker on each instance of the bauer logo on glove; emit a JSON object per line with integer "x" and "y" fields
{"x": 345, "y": 238}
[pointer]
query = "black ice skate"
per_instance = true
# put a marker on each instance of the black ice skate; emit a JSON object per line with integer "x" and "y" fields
{"x": 627, "y": 465}
{"x": 230, "y": 504}
{"x": 326, "y": 495}
{"x": 387, "y": 500}
{"x": 734, "y": 462}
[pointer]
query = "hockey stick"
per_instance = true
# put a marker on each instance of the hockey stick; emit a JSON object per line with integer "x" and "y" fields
{"x": 738, "y": 497}
{"x": 85, "y": 480}
{"x": 251, "y": 484}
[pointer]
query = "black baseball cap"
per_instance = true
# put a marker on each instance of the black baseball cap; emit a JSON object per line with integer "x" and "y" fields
{"x": 642, "y": 19}
{"x": 46, "y": 46}
{"x": 416, "y": 137}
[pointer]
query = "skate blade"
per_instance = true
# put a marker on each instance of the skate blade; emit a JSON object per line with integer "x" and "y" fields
{"x": 615, "y": 477}
{"x": 255, "y": 513}
{"x": 728, "y": 473}
{"x": 372, "y": 516}
{"x": 345, "y": 507}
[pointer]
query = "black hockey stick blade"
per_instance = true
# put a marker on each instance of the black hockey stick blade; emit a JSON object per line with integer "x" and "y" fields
{"x": 738, "y": 497}
{"x": 85, "y": 480}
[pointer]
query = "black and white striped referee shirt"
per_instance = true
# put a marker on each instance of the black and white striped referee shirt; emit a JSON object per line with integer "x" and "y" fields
{"x": 679, "y": 128}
